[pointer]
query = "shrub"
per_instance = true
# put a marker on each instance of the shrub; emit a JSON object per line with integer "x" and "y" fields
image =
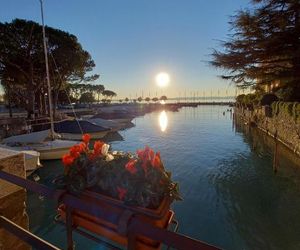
{"x": 291, "y": 109}
{"x": 268, "y": 99}
{"x": 240, "y": 99}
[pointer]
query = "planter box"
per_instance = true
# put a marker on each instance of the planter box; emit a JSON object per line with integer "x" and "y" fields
{"x": 160, "y": 217}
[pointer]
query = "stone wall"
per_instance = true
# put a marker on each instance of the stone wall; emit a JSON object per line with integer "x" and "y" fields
{"x": 281, "y": 126}
{"x": 12, "y": 199}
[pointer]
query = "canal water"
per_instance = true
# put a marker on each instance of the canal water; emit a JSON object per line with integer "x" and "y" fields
{"x": 234, "y": 196}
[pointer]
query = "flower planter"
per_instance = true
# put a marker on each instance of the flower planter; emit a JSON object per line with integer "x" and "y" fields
{"x": 160, "y": 217}
{"x": 125, "y": 178}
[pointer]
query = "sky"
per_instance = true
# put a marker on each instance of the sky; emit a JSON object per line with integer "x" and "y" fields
{"x": 131, "y": 41}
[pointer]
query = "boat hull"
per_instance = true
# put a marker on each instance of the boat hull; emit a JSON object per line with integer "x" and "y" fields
{"x": 53, "y": 154}
{"x": 78, "y": 137}
{"x": 54, "y": 150}
{"x": 123, "y": 120}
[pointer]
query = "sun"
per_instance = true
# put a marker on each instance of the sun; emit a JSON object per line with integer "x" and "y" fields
{"x": 162, "y": 79}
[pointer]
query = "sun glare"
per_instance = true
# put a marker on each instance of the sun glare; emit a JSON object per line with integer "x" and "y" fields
{"x": 162, "y": 79}
{"x": 163, "y": 121}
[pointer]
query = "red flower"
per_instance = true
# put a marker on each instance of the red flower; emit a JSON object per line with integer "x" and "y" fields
{"x": 147, "y": 155}
{"x": 76, "y": 150}
{"x": 130, "y": 166}
{"x": 86, "y": 138}
{"x": 156, "y": 161}
{"x": 98, "y": 147}
{"x": 67, "y": 159}
{"x": 122, "y": 193}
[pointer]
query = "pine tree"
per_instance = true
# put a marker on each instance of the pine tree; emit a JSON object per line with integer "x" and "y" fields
{"x": 264, "y": 49}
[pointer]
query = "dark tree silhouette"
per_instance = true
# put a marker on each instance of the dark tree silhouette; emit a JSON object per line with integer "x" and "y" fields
{"x": 264, "y": 49}
{"x": 22, "y": 63}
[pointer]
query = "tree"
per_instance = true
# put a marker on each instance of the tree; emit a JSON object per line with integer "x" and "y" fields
{"x": 126, "y": 99}
{"x": 163, "y": 98}
{"x": 155, "y": 99}
{"x": 147, "y": 99}
{"x": 108, "y": 94}
{"x": 98, "y": 89}
{"x": 140, "y": 99}
{"x": 265, "y": 47}
{"x": 22, "y": 63}
{"x": 87, "y": 97}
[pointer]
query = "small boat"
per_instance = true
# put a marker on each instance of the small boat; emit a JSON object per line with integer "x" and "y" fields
{"x": 40, "y": 142}
{"x": 115, "y": 115}
{"x": 113, "y": 125}
{"x": 32, "y": 158}
{"x": 73, "y": 129}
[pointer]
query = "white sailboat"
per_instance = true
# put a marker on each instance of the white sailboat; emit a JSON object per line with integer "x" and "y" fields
{"x": 41, "y": 142}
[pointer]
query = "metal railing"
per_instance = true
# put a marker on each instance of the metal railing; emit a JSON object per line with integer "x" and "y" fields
{"x": 135, "y": 227}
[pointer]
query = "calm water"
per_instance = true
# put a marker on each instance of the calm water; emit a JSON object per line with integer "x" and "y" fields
{"x": 233, "y": 198}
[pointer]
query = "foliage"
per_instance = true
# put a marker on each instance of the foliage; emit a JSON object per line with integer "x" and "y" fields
{"x": 155, "y": 99}
{"x": 264, "y": 47}
{"x": 109, "y": 93}
{"x": 22, "y": 62}
{"x": 268, "y": 99}
{"x": 139, "y": 180}
{"x": 249, "y": 100}
{"x": 285, "y": 94}
{"x": 147, "y": 99}
{"x": 291, "y": 109}
{"x": 163, "y": 98}
{"x": 77, "y": 90}
{"x": 87, "y": 97}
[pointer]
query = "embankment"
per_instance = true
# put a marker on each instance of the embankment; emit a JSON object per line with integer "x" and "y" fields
{"x": 280, "y": 120}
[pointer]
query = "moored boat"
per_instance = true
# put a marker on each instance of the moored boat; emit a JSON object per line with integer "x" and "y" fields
{"x": 113, "y": 125}
{"x": 40, "y": 142}
{"x": 73, "y": 129}
{"x": 116, "y": 115}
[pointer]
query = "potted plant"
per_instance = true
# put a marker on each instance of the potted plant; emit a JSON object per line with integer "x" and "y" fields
{"x": 119, "y": 182}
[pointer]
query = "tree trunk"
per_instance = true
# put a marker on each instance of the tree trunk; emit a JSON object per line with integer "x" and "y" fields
{"x": 9, "y": 103}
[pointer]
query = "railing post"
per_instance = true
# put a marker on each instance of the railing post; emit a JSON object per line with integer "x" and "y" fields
{"x": 131, "y": 245}
{"x": 69, "y": 227}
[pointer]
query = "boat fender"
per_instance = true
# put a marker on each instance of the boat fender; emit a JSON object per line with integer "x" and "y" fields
{"x": 124, "y": 222}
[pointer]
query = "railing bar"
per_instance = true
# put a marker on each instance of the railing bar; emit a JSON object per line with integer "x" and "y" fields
{"x": 25, "y": 236}
{"x": 32, "y": 186}
{"x": 175, "y": 240}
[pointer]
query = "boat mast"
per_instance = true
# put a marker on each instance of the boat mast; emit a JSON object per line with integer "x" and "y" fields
{"x": 47, "y": 75}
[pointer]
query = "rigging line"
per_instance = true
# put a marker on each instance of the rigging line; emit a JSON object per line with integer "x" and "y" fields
{"x": 73, "y": 110}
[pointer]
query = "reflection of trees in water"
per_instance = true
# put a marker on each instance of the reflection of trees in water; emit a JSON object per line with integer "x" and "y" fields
{"x": 262, "y": 144}
{"x": 262, "y": 208}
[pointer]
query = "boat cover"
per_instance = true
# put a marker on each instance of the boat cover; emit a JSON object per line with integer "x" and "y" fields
{"x": 34, "y": 137}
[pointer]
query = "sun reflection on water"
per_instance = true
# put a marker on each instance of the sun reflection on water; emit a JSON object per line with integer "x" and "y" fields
{"x": 163, "y": 121}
